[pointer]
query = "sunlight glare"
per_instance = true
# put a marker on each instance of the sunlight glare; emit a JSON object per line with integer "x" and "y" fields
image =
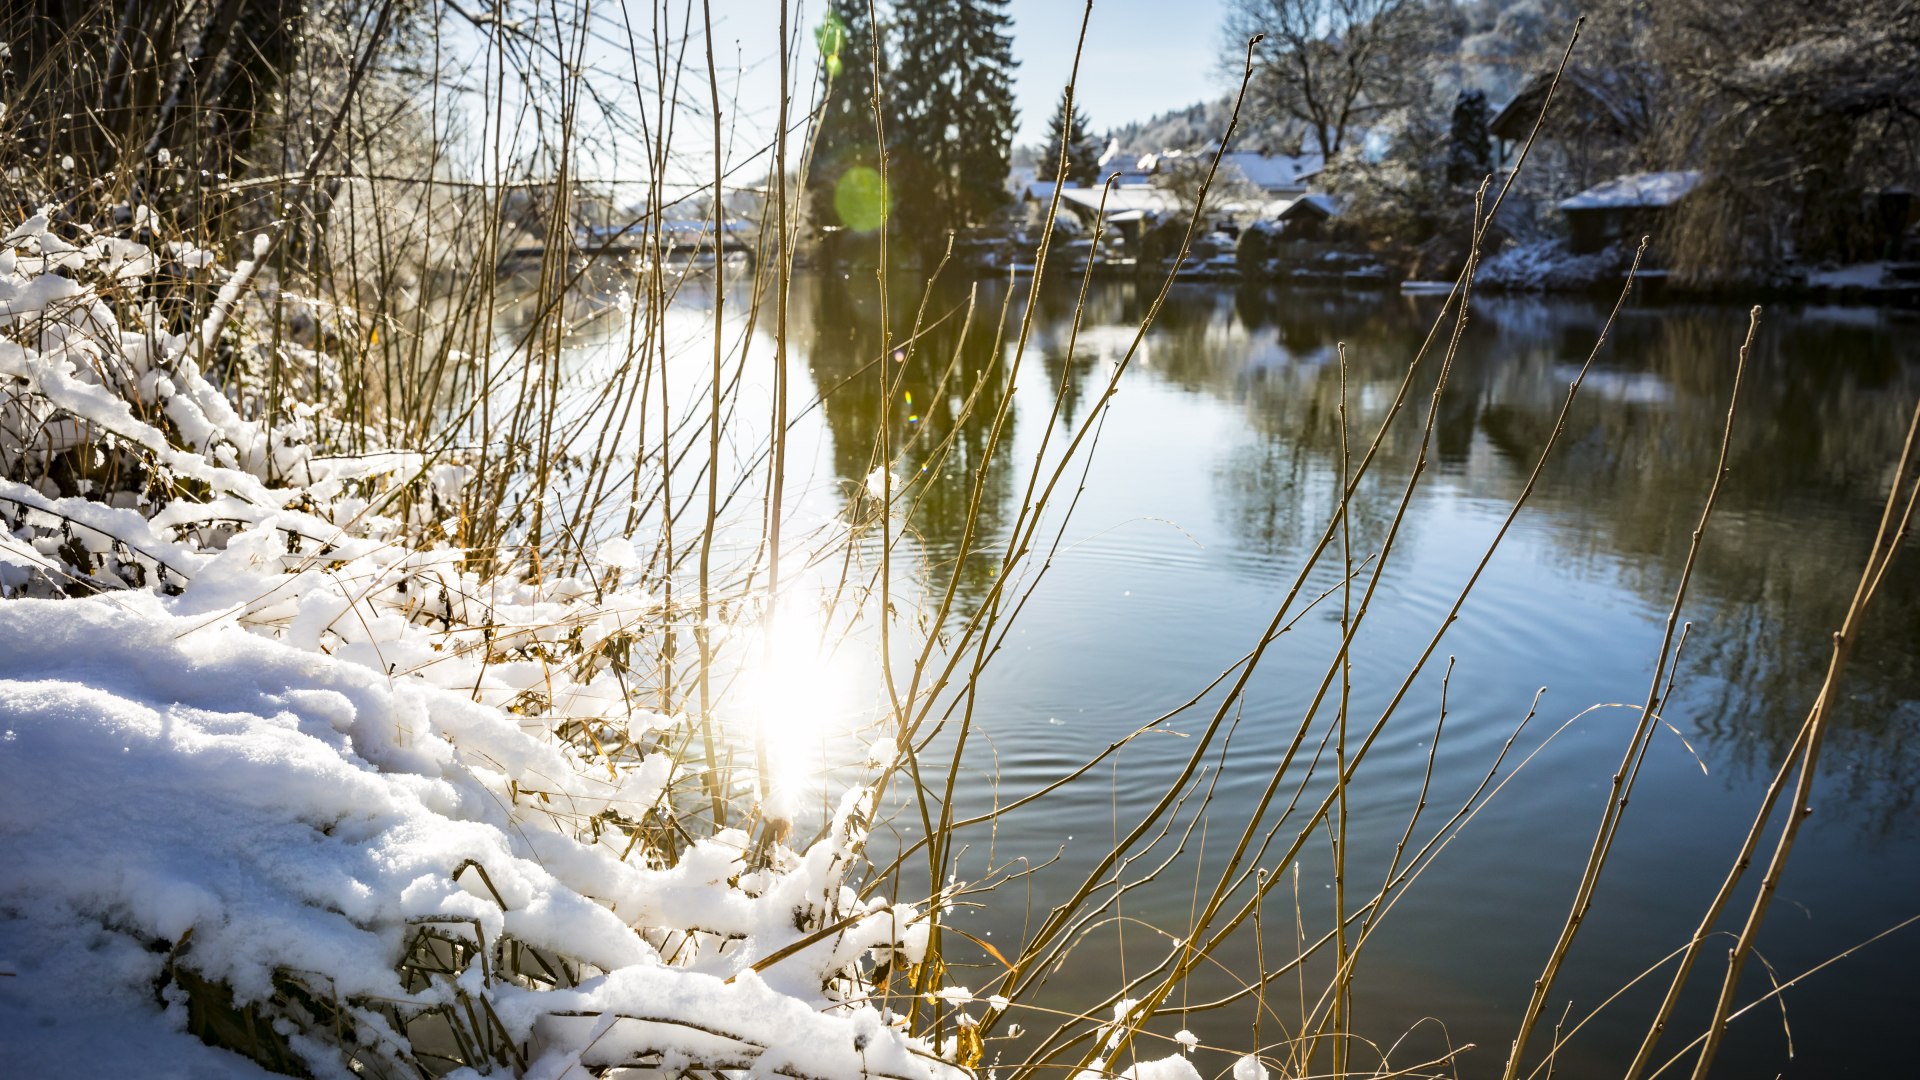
{"x": 796, "y": 693}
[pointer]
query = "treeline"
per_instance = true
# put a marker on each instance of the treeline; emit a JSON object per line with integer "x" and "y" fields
{"x": 933, "y": 83}
{"x": 1799, "y": 117}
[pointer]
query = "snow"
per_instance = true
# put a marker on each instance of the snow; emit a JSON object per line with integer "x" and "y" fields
{"x": 260, "y": 745}
{"x": 1275, "y": 172}
{"x": 1547, "y": 264}
{"x": 1314, "y": 202}
{"x": 1870, "y": 275}
{"x": 1168, "y": 1068}
{"x": 294, "y": 811}
{"x": 1637, "y": 191}
{"x": 1121, "y": 199}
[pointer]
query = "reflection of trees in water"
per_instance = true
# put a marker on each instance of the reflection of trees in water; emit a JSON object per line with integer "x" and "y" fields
{"x": 1756, "y": 662}
{"x": 1821, "y": 418}
{"x": 1110, "y": 320}
{"x": 938, "y": 439}
{"x": 1822, "y": 415}
{"x": 1279, "y": 491}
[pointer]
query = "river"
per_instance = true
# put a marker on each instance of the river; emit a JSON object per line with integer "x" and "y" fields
{"x": 1214, "y": 474}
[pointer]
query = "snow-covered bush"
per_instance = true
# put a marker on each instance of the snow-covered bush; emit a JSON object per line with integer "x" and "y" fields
{"x": 275, "y": 751}
{"x": 1547, "y": 266}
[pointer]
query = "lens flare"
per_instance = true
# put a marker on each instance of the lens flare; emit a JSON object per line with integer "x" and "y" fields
{"x": 860, "y": 199}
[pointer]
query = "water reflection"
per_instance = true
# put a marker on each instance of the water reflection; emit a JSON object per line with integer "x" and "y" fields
{"x": 941, "y": 389}
{"x": 1821, "y": 417}
{"x": 1228, "y": 424}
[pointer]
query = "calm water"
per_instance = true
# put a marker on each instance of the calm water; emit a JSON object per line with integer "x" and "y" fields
{"x": 1214, "y": 475}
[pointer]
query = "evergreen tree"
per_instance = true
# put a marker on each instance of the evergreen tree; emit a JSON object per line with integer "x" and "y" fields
{"x": 951, "y": 136}
{"x": 1083, "y": 151}
{"x": 1469, "y": 147}
{"x": 842, "y": 180}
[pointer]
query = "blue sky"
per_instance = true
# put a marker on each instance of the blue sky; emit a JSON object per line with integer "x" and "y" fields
{"x": 1142, "y": 56}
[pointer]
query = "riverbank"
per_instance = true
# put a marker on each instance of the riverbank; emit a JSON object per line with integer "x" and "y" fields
{"x": 1519, "y": 269}
{"x": 289, "y": 773}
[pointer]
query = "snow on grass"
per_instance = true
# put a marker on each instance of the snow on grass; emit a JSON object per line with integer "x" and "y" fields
{"x": 261, "y": 736}
{"x": 297, "y": 812}
{"x": 1546, "y": 265}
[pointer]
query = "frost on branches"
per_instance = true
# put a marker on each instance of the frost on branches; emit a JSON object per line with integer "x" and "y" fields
{"x": 279, "y": 770}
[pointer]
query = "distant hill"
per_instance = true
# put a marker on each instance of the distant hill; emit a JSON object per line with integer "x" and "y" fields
{"x": 1496, "y": 45}
{"x": 1202, "y": 123}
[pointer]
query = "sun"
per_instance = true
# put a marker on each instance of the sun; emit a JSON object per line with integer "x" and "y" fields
{"x": 796, "y": 697}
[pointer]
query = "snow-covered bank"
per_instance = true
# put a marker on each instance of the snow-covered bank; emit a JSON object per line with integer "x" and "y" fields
{"x": 178, "y": 791}
{"x": 277, "y": 768}
{"x": 1547, "y": 266}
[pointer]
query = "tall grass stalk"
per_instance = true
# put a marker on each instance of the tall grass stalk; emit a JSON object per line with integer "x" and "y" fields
{"x": 427, "y": 236}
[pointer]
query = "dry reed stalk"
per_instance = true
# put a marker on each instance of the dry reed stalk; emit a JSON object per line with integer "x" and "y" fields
{"x": 1621, "y": 787}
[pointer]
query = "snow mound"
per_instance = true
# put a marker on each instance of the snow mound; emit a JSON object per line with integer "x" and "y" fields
{"x": 207, "y": 797}
{"x": 1547, "y": 265}
{"x": 280, "y": 771}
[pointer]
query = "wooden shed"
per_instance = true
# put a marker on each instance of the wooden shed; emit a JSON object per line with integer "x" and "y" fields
{"x": 1623, "y": 208}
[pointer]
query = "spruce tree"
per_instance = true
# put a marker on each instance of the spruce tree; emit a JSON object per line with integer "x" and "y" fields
{"x": 1083, "y": 151}
{"x": 951, "y": 136}
{"x": 842, "y": 180}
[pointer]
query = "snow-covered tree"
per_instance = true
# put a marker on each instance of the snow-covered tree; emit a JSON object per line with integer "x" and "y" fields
{"x": 1800, "y": 116}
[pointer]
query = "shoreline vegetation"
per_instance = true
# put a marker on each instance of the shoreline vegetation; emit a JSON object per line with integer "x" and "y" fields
{"x": 385, "y": 693}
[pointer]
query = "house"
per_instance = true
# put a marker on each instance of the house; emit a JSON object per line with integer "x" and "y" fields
{"x": 1136, "y": 170}
{"x": 1624, "y": 207}
{"x": 1305, "y": 217}
{"x": 1595, "y": 120}
{"x": 1036, "y": 191}
{"x": 1128, "y": 210}
{"x": 1278, "y": 176}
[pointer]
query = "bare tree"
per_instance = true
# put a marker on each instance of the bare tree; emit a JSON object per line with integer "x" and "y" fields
{"x": 1184, "y": 178}
{"x": 1805, "y": 120}
{"x": 1332, "y": 65}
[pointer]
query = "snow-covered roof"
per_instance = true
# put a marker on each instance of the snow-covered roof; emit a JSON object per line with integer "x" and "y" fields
{"x": 1325, "y": 204}
{"x": 1275, "y": 172}
{"x": 1313, "y": 203}
{"x": 1122, "y": 198}
{"x": 1268, "y": 172}
{"x": 1640, "y": 190}
{"x": 1596, "y": 95}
